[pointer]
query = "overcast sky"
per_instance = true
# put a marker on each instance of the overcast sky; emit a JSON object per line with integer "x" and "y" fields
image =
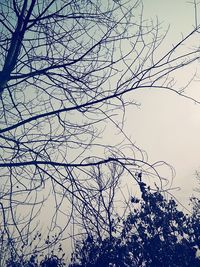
{"x": 167, "y": 126}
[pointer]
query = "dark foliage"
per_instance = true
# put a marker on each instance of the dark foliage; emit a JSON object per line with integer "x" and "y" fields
{"x": 51, "y": 261}
{"x": 154, "y": 234}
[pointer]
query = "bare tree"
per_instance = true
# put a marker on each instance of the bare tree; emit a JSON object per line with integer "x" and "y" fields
{"x": 68, "y": 70}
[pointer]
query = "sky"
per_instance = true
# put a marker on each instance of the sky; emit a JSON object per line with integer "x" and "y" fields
{"x": 168, "y": 126}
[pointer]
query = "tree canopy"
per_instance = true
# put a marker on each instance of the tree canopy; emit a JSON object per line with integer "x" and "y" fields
{"x": 155, "y": 233}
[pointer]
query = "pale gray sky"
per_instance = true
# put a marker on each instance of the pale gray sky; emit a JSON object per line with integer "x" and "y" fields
{"x": 167, "y": 126}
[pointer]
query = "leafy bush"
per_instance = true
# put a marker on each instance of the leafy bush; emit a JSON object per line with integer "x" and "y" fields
{"x": 48, "y": 261}
{"x": 154, "y": 234}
